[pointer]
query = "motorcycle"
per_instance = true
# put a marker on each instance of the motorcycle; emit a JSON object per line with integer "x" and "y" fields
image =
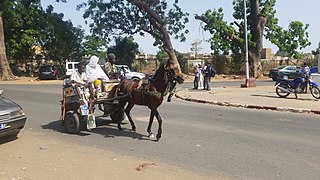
{"x": 297, "y": 86}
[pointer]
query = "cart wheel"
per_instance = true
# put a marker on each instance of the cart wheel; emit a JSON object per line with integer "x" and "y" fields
{"x": 117, "y": 116}
{"x": 72, "y": 122}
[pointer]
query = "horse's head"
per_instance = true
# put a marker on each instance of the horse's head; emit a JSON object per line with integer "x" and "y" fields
{"x": 174, "y": 73}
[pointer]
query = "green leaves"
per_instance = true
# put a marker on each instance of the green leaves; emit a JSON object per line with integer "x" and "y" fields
{"x": 27, "y": 25}
{"x": 118, "y": 17}
{"x": 125, "y": 49}
{"x": 94, "y": 45}
{"x": 290, "y": 40}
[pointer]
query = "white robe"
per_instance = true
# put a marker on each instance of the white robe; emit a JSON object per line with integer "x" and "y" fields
{"x": 94, "y": 71}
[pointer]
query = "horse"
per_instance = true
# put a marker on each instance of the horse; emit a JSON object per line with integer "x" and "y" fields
{"x": 149, "y": 92}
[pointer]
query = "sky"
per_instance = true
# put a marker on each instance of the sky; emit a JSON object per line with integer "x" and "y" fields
{"x": 287, "y": 11}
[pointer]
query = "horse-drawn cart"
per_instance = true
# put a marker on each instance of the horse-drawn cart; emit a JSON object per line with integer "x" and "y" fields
{"x": 77, "y": 110}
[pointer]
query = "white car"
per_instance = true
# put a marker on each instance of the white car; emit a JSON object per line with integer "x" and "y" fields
{"x": 128, "y": 74}
{"x": 70, "y": 67}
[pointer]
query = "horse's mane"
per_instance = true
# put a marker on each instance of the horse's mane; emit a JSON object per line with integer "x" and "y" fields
{"x": 159, "y": 72}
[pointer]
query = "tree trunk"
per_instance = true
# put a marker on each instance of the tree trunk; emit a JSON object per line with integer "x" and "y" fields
{"x": 5, "y": 70}
{"x": 257, "y": 27}
{"x": 160, "y": 24}
{"x": 167, "y": 45}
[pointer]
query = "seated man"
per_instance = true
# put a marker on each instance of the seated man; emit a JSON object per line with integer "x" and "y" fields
{"x": 79, "y": 76}
{"x": 95, "y": 75}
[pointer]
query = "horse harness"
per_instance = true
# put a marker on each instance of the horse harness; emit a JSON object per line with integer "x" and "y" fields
{"x": 144, "y": 87}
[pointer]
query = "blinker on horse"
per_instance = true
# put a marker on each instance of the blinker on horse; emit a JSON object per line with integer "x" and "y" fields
{"x": 150, "y": 93}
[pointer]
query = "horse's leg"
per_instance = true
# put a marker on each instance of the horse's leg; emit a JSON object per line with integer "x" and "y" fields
{"x": 150, "y": 124}
{"x": 156, "y": 113}
{"x": 127, "y": 111}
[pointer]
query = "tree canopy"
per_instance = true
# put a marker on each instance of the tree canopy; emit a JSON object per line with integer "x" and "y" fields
{"x": 94, "y": 45}
{"x": 27, "y": 25}
{"x": 289, "y": 41}
{"x": 261, "y": 20}
{"x": 154, "y": 17}
{"x": 230, "y": 36}
{"x": 125, "y": 49}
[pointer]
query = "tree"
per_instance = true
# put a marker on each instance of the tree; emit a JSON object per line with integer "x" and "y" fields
{"x": 136, "y": 16}
{"x": 288, "y": 41}
{"x": 5, "y": 70}
{"x": 27, "y": 26}
{"x": 260, "y": 14}
{"x": 21, "y": 26}
{"x": 125, "y": 49}
{"x": 162, "y": 55}
{"x": 316, "y": 51}
{"x": 94, "y": 45}
{"x": 60, "y": 39}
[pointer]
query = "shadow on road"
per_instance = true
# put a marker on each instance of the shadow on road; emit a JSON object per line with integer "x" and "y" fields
{"x": 7, "y": 139}
{"x": 105, "y": 127}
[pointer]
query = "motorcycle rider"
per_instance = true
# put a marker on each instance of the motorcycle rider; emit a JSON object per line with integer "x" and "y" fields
{"x": 305, "y": 70}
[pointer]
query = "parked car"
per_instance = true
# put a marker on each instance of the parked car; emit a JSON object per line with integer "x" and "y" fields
{"x": 50, "y": 72}
{"x": 285, "y": 72}
{"x": 12, "y": 117}
{"x": 70, "y": 67}
{"x": 125, "y": 70}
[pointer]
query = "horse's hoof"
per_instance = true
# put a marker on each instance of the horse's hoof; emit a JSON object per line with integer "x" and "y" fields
{"x": 151, "y": 135}
{"x": 134, "y": 129}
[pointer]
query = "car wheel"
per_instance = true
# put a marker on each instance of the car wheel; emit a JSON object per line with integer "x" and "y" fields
{"x": 286, "y": 77}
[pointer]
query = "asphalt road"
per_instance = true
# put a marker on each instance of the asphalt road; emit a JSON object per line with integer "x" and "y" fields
{"x": 233, "y": 142}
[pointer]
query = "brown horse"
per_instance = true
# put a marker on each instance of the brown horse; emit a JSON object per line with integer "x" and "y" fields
{"x": 149, "y": 92}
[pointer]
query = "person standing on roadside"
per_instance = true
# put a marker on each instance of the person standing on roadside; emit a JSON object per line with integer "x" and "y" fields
{"x": 305, "y": 71}
{"x": 207, "y": 71}
{"x": 196, "y": 77}
{"x": 200, "y": 85}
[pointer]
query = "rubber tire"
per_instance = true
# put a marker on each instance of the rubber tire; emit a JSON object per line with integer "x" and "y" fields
{"x": 72, "y": 122}
{"x": 280, "y": 93}
{"x": 315, "y": 92}
{"x": 117, "y": 116}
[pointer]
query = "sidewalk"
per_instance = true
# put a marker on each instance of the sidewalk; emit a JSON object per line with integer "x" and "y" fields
{"x": 260, "y": 97}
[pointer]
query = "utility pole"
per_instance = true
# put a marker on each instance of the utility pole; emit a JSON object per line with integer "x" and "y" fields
{"x": 247, "y": 81}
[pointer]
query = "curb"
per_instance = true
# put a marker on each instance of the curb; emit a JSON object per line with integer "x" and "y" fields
{"x": 228, "y": 104}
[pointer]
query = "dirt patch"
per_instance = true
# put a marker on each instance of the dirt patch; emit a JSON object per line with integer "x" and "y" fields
{"x": 36, "y": 156}
{"x": 31, "y": 80}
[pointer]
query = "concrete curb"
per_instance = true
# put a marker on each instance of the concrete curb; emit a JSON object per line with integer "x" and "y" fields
{"x": 229, "y": 104}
